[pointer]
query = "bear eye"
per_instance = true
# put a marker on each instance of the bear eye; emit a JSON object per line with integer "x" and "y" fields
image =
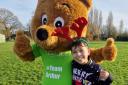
{"x": 44, "y": 19}
{"x": 59, "y": 22}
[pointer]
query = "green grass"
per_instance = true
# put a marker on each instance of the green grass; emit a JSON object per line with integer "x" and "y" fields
{"x": 13, "y": 71}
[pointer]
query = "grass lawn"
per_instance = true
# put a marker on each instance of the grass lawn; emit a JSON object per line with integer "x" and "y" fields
{"x": 13, "y": 71}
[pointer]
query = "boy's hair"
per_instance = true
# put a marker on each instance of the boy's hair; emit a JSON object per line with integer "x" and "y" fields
{"x": 78, "y": 41}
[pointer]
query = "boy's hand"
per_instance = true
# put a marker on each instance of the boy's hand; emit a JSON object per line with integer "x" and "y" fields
{"x": 103, "y": 75}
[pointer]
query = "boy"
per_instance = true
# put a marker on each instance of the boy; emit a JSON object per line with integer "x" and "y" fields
{"x": 84, "y": 68}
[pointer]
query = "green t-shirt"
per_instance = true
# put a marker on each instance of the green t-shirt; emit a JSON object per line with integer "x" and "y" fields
{"x": 57, "y": 67}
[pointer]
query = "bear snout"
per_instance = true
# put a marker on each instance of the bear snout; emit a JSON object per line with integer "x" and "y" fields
{"x": 42, "y": 34}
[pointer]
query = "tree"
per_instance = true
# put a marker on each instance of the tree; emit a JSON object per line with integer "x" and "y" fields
{"x": 9, "y": 22}
{"x": 109, "y": 24}
{"x": 90, "y": 25}
{"x": 95, "y": 24}
{"x": 100, "y": 20}
{"x": 121, "y": 28}
{"x": 111, "y": 29}
{"x": 28, "y": 28}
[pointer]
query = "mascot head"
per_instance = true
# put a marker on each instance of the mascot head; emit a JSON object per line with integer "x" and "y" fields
{"x": 56, "y": 14}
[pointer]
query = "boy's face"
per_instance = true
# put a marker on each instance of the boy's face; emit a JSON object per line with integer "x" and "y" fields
{"x": 80, "y": 53}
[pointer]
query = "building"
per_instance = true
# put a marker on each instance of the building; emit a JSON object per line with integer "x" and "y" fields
{"x": 2, "y": 38}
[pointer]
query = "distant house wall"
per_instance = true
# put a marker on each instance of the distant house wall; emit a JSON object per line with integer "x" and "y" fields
{"x": 2, "y": 38}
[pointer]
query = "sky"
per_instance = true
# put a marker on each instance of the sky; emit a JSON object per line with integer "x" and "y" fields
{"x": 24, "y": 9}
{"x": 119, "y": 8}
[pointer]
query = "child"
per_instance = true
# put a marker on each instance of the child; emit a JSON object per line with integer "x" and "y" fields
{"x": 83, "y": 68}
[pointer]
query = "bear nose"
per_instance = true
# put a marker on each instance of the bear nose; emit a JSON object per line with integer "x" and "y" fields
{"x": 42, "y": 34}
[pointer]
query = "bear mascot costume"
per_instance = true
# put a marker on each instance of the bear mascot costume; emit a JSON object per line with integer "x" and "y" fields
{"x": 54, "y": 51}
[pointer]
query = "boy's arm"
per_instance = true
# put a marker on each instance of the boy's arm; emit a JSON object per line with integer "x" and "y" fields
{"x": 94, "y": 78}
{"x": 100, "y": 77}
{"x": 108, "y": 81}
{"x": 99, "y": 81}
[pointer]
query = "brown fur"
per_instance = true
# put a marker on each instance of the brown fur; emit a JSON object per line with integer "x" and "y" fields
{"x": 108, "y": 52}
{"x": 69, "y": 10}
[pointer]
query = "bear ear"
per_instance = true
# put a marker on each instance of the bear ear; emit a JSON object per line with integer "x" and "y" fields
{"x": 88, "y": 3}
